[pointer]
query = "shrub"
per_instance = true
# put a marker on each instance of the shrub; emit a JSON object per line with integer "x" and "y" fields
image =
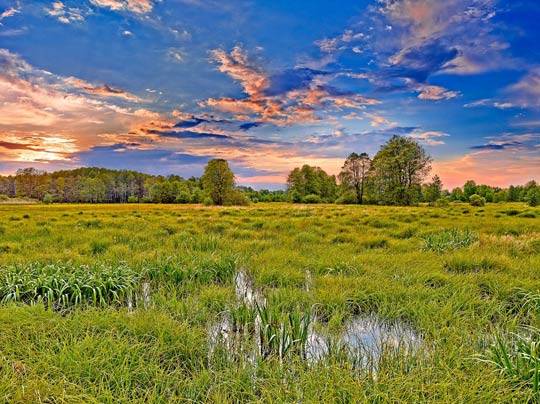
{"x": 477, "y": 200}
{"x": 533, "y": 196}
{"x": 348, "y": 198}
{"x": 312, "y": 198}
{"x": 208, "y": 201}
{"x": 4, "y": 198}
{"x": 183, "y": 197}
{"x": 441, "y": 202}
{"x": 48, "y": 199}
{"x": 237, "y": 198}
{"x": 133, "y": 199}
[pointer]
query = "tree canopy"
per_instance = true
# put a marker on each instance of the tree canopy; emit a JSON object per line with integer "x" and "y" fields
{"x": 398, "y": 170}
{"x": 218, "y": 181}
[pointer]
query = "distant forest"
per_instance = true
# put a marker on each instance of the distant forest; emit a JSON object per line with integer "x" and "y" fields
{"x": 394, "y": 176}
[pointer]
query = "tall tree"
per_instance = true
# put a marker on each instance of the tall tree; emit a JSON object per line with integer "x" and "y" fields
{"x": 310, "y": 180}
{"x": 399, "y": 169}
{"x": 218, "y": 180}
{"x": 354, "y": 173}
{"x": 432, "y": 191}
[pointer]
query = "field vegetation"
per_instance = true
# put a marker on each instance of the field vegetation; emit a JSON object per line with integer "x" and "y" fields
{"x": 142, "y": 303}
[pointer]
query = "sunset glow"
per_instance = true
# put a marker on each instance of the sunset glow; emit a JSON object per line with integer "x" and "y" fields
{"x": 164, "y": 86}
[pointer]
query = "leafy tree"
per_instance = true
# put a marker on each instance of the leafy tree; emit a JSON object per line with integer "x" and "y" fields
{"x": 533, "y": 196}
{"x": 469, "y": 189}
{"x": 310, "y": 180}
{"x": 218, "y": 180}
{"x": 354, "y": 174}
{"x": 433, "y": 191}
{"x": 398, "y": 170}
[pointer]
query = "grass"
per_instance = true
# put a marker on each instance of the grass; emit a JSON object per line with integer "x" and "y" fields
{"x": 449, "y": 239}
{"x": 113, "y": 303}
{"x": 63, "y": 286}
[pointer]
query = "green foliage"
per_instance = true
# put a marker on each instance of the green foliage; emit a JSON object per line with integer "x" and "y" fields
{"x": 477, "y": 200}
{"x": 354, "y": 174}
{"x": 398, "y": 170}
{"x": 311, "y": 181}
{"x": 282, "y": 334}
{"x": 517, "y": 358}
{"x": 132, "y": 199}
{"x": 311, "y": 198}
{"x": 533, "y": 196}
{"x": 451, "y": 239}
{"x": 442, "y": 203}
{"x": 64, "y": 286}
{"x": 48, "y": 199}
{"x": 237, "y": 198}
{"x": 218, "y": 180}
{"x": 347, "y": 198}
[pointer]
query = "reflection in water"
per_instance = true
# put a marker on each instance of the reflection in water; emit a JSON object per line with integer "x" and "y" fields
{"x": 363, "y": 339}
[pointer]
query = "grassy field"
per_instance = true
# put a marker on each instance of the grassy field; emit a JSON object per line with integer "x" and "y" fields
{"x": 172, "y": 303}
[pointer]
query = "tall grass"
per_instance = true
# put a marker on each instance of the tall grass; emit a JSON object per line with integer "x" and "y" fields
{"x": 517, "y": 358}
{"x": 62, "y": 286}
{"x": 451, "y": 239}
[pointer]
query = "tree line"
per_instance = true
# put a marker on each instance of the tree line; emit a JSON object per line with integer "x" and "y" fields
{"x": 394, "y": 176}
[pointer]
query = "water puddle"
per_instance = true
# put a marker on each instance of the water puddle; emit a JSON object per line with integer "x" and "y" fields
{"x": 364, "y": 339}
{"x": 243, "y": 332}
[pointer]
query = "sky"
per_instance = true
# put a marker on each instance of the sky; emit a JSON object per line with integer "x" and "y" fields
{"x": 163, "y": 86}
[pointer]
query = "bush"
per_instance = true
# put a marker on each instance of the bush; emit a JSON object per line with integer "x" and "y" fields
{"x": 477, "y": 200}
{"x": 208, "y": 201}
{"x": 133, "y": 199}
{"x": 48, "y": 199}
{"x": 348, "y": 198}
{"x": 4, "y": 198}
{"x": 441, "y": 202}
{"x": 295, "y": 197}
{"x": 311, "y": 199}
{"x": 533, "y": 197}
{"x": 183, "y": 197}
{"x": 236, "y": 198}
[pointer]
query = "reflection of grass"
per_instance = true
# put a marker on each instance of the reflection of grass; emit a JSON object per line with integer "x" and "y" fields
{"x": 362, "y": 259}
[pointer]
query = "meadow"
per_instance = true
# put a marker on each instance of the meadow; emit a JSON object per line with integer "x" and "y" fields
{"x": 138, "y": 303}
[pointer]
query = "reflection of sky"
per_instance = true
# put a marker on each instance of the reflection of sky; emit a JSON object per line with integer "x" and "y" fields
{"x": 163, "y": 86}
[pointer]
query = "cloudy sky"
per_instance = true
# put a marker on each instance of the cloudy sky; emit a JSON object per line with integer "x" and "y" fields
{"x": 162, "y": 86}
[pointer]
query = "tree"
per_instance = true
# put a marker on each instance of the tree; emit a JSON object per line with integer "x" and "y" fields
{"x": 533, "y": 196}
{"x": 354, "y": 173}
{"x": 218, "y": 180}
{"x": 398, "y": 170}
{"x": 310, "y": 180}
{"x": 432, "y": 191}
{"x": 469, "y": 189}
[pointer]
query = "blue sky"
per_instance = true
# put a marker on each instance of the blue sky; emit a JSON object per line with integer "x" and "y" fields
{"x": 164, "y": 86}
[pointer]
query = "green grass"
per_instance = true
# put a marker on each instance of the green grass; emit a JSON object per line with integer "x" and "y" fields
{"x": 115, "y": 303}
